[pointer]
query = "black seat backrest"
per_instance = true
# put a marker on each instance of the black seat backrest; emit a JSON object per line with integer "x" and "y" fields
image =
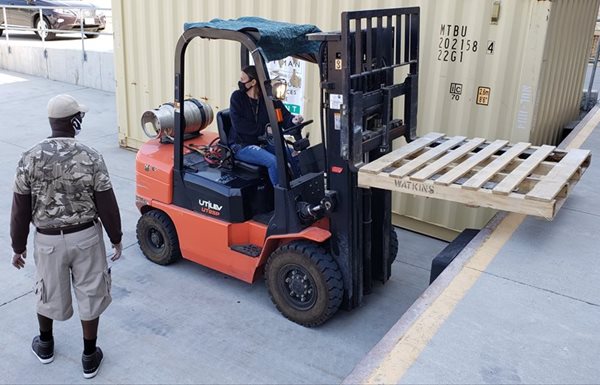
{"x": 224, "y": 126}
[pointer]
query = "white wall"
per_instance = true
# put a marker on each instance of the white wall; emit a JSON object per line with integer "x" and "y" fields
{"x": 65, "y": 65}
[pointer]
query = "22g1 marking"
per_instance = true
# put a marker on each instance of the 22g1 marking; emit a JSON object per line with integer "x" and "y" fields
{"x": 453, "y": 49}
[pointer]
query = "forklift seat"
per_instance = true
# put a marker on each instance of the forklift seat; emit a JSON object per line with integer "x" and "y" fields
{"x": 224, "y": 126}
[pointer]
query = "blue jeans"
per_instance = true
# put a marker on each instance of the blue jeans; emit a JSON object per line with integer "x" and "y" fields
{"x": 265, "y": 156}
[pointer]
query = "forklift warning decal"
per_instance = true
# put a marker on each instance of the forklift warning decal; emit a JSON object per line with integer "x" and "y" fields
{"x": 292, "y": 70}
{"x": 454, "y": 44}
{"x": 483, "y": 96}
{"x": 414, "y": 186}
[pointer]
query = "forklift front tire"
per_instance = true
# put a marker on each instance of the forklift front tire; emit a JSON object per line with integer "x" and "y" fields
{"x": 304, "y": 282}
{"x": 393, "y": 245}
{"x": 157, "y": 237}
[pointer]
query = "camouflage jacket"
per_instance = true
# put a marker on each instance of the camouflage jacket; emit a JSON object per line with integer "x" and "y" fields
{"x": 61, "y": 175}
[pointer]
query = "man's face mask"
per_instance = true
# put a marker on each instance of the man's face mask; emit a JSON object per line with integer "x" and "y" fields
{"x": 242, "y": 85}
{"x": 76, "y": 122}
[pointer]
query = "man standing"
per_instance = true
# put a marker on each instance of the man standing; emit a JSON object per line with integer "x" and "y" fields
{"x": 63, "y": 188}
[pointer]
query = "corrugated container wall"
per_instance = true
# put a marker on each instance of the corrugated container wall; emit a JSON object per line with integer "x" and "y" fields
{"x": 508, "y": 69}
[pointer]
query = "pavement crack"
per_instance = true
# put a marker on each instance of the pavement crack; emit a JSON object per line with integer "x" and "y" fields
{"x": 410, "y": 264}
{"x": 16, "y": 298}
{"x": 538, "y": 288}
{"x": 13, "y": 144}
{"x": 122, "y": 177}
{"x": 582, "y": 212}
{"x": 133, "y": 244}
{"x": 50, "y": 94}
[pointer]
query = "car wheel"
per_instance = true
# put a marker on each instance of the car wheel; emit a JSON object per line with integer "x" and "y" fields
{"x": 91, "y": 35}
{"x": 1, "y": 31}
{"x": 42, "y": 26}
{"x": 304, "y": 282}
{"x": 157, "y": 237}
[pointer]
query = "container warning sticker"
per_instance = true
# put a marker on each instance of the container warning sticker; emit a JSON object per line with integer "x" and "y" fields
{"x": 336, "y": 101}
{"x": 483, "y": 96}
{"x": 293, "y": 71}
{"x": 456, "y": 90}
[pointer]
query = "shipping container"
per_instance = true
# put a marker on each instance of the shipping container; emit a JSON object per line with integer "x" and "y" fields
{"x": 509, "y": 69}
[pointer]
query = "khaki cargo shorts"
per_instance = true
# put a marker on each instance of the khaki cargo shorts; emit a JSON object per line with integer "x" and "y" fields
{"x": 79, "y": 259}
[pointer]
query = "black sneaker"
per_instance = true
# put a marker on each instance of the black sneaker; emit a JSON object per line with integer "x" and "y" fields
{"x": 91, "y": 363}
{"x": 43, "y": 350}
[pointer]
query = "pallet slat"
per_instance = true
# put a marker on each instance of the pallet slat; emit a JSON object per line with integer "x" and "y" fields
{"x": 488, "y": 172}
{"x": 516, "y": 189}
{"x": 426, "y": 157}
{"x": 548, "y": 188}
{"x": 444, "y": 161}
{"x": 473, "y": 161}
{"x": 514, "y": 178}
{"x": 387, "y": 160}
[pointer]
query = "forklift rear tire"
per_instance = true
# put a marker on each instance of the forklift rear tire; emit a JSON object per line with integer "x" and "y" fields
{"x": 304, "y": 282}
{"x": 393, "y": 246}
{"x": 157, "y": 237}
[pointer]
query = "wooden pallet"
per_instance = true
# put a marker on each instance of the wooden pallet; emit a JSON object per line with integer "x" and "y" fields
{"x": 513, "y": 177}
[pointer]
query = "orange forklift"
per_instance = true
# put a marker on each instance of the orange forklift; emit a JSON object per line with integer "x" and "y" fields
{"x": 319, "y": 239}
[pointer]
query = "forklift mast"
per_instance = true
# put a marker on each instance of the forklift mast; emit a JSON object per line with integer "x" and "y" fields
{"x": 360, "y": 71}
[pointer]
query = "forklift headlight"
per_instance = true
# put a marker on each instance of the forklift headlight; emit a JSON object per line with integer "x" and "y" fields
{"x": 279, "y": 87}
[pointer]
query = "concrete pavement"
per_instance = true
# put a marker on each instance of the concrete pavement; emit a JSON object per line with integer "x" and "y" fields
{"x": 182, "y": 323}
{"x": 61, "y": 59}
{"x": 521, "y": 305}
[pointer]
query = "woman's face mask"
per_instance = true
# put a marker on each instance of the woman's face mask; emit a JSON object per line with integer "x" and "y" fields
{"x": 242, "y": 85}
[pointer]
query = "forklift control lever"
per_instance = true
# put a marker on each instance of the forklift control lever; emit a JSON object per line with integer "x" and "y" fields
{"x": 298, "y": 127}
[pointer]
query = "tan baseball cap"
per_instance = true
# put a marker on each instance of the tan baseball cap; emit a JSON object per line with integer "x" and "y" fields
{"x": 62, "y": 106}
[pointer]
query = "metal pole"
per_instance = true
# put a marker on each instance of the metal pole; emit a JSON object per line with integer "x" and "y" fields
{"x": 82, "y": 34}
{"x": 6, "y": 28}
{"x": 589, "y": 92}
{"x": 42, "y": 34}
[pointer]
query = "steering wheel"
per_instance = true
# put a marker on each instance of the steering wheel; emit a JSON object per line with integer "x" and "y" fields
{"x": 297, "y": 128}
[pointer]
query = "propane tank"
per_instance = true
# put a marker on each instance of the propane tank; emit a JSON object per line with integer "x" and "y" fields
{"x": 198, "y": 116}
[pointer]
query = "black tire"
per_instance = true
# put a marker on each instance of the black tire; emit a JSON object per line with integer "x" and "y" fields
{"x": 157, "y": 238}
{"x": 304, "y": 282}
{"x": 1, "y": 31}
{"x": 92, "y": 36}
{"x": 393, "y": 245}
{"x": 41, "y": 25}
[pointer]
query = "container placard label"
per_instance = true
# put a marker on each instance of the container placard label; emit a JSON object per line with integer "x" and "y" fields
{"x": 455, "y": 43}
{"x": 483, "y": 96}
{"x": 292, "y": 70}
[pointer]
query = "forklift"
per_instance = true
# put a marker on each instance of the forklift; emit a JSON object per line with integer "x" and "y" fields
{"x": 320, "y": 241}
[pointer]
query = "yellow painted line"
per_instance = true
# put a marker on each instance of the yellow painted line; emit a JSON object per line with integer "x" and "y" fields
{"x": 413, "y": 342}
{"x": 585, "y": 132}
{"x": 408, "y": 349}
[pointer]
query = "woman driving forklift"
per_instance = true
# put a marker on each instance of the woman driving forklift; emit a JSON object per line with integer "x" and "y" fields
{"x": 249, "y": 120}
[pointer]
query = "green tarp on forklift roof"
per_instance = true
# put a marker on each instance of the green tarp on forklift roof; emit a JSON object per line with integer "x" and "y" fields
{"x": 277, "y": 39}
